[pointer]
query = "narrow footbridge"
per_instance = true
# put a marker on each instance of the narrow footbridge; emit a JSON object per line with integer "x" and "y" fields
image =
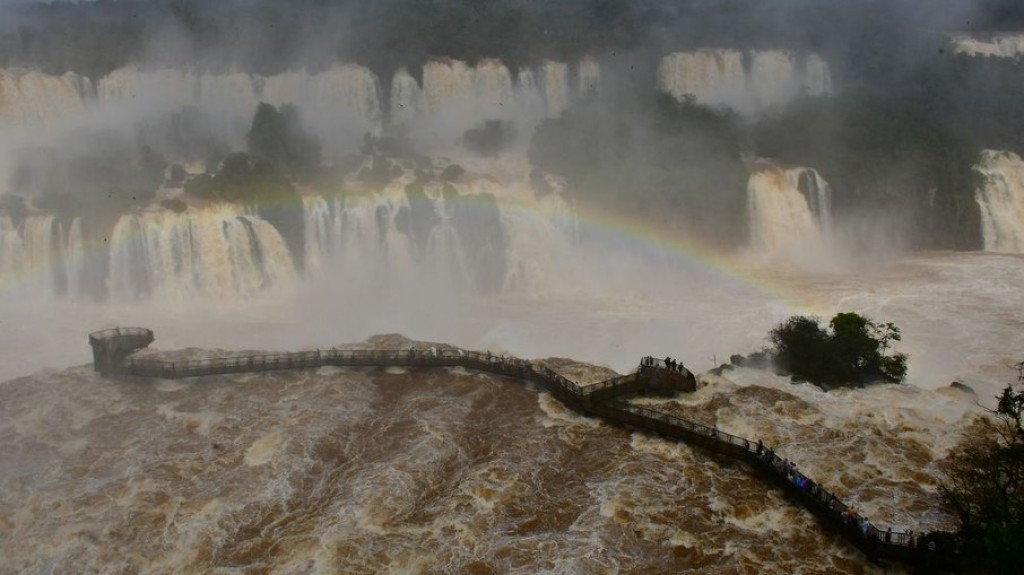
{"x": 113, "y": 354}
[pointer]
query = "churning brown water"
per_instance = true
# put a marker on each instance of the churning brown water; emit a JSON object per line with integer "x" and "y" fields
{"x": 437, "y": 471}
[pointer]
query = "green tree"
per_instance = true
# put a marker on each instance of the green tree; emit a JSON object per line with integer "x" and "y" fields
{"x": 854, "y": 351}
{"x": 860, "y": 346}
{"x": 984, "y": 487}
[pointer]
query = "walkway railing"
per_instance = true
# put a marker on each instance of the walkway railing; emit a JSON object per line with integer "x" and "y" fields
{"x": 876, "y": 543}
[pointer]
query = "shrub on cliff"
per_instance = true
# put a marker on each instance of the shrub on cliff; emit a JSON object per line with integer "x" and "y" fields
{"x": 853, "y": 350}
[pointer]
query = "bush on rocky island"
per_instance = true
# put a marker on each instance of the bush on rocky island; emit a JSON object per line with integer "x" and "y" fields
{"x": 852, "y": 350}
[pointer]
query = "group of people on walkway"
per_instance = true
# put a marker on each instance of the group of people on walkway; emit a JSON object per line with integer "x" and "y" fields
{"x": 825, "y": 498}
{"x": 668, "y": 363}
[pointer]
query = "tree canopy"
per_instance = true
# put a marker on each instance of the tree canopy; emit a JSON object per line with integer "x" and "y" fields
{"x": 853, "y": 350}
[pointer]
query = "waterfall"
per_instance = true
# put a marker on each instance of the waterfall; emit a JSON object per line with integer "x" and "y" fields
{"x": 220, "y": 252}
{"x": 74, "y": 259}
{"x": 554, "y": 81}
{"x": 357, "y": 239}
{"x": 41, "y": 256}
{"x": 817, "y": 78}
{"x": 13, "y": 259}
{"x": 471, "y": 236}
{"x": 999, "y": 46}
{"x": 749, "y": 83}
{"x": 531, "y": 100}
{"x": 30, "y": 98}
{"x": 1001, "y": 201}
{"x": 457, "y": 97}
{"x": 713, "y": 77}
{"x": 787, "y": 207}
{"x": 406, "y": 98}
{"x": 588, "y": 77}
{"x": 41, "y": 251}
{"x": 342, "y": 103}
{"x": 773, "y": 78}
{"x": 382, "y": 238}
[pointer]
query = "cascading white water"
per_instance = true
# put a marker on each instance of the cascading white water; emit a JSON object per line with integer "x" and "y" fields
{"x": 342, "y": 102}
{"x": 220, "y": 252}
{"x": 41, "y": 257}
{"x": 589, "y": 77}
{"x": 357, "y": 240}
{"x": 773, "y": 78}
{"x": 787, "y": 207}
{"x": 555, "y": 82}
{"x": 531, "y": 100}
{"x": 748, "y": 83}
{"x": 13, "y": 259}
{"x": 41, "y": 250}
{"x": 473, "y": 236}
{"x": 480, "y": 234}
{"x": 817, "y": 79}
{"x": 30, "y": 98}
{"x": 457, "y": 97}
{"x": 74, "y": 258}
{"x": 713, "y": 77}
{"x": 1001, "y": 201}
{"x": 339, "y": 103}
{"x": 406, "y": 98}
{"x": 999, "y": 46}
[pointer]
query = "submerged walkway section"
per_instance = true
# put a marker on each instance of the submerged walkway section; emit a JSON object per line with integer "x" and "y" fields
{"x": 113, "y": 354}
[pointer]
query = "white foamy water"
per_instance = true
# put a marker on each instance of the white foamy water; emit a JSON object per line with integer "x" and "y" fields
{"x": 218, "y": 252}
{"x": 1001, "y": 201}
{"x": 788, "y": 208}
{"x": 749, "y": 83}
{"x": 998, "y": 46}
{"x": 339, "y": 104}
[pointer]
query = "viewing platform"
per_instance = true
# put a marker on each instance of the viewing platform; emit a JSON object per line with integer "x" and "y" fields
{"x": 113, "y": 355}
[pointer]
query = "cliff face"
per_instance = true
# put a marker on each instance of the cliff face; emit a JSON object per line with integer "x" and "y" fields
{"x": 748, "y": 82}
